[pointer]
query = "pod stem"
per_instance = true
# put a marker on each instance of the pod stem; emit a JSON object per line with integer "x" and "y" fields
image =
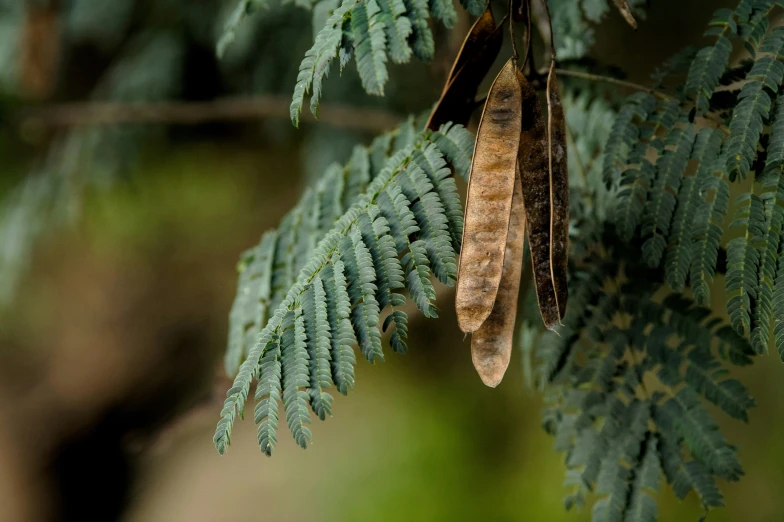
{"x": 515, "y": 55}
{"x": 550, "y": 25}
{"x": 528, "y": 47}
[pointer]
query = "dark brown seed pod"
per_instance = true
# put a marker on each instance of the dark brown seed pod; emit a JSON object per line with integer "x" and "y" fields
{"x": 535, "y": 174}
{"x": 626, "y": 12}
{"x": 559, "y": 191}
{"x": 484, "y": 27}
{"x": 477, "y": 54}
{"x": 489, "y": 201}
{"x": 491, "y": 345}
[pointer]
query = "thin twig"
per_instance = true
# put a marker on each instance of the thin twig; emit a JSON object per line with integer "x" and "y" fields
{"x": 529, "y": 55}
{"x": 613, "y": 81}
{"x": 192, "y": 113}
{"x": 237, "y": 109}
{"x": 550, "y": 25}
{"x": 539, "y": 84}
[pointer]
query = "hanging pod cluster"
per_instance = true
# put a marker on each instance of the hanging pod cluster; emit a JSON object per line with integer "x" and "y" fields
{"x": 518, "y": 185}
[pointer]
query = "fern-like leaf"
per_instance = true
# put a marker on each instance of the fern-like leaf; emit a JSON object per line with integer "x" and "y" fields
{"x": 708, "y": 220}
{"x": 624, "y": 134}
{"x": 778, "y": 306}
{"x": 398, "y": 29}
{"x": 670, "y": 168}
{"x": 334, "y": 299}
{"x": 389, "y": 272}
{"x": 294, "y": 354}
{"x": 432, "y": 222}
{"x": 243, "y": 9}
{"x": 338, "y": 307}
{"x": 635, "y": 184}
{"x": 705, "y": 376}
{"x": 474, "y": 7}
{"x": 268, "y": 394}
{"x": 361, "y": 290}
{"x": 370, "y": 41}
{"x": 642, "y": 506}
{"x": 444, "y": 10}
{"x": 617, "y": 435}
{"x": 769, "y": 242}
{"x": 422, "y": 42}
{"x": 614, "y": 483}
{"x": 439, "y": 175}
{"x": 394, "y": 206}
{"x": 315, "y": 66}
{"x": 397, "y": 340}
{"x": 681, "y": 248}
{"x": 701, "y": 435}
{"x": 319, "y": 337}
{"x": 283, "y": 273}
{"x": 251, "y": 304}
{"x": 743, "y": 263}
{"x": 457, "y": 146}
{"x": 710, "y": 62}
{"x": 754, "y": 104}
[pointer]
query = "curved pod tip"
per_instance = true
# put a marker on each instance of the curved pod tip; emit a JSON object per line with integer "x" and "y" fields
{"x": 491, "y": 369}
{"x": 491, "y": 345}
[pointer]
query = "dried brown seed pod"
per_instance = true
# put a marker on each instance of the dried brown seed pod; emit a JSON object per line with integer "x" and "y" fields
{"x": 626, "y": 12}
{"x": 535, "y": 173}
{"x": 489, "y": 201}
{"x": 559, "y": 191}
{"x": 491, "y": 345}
{"x": 477, "y": 54}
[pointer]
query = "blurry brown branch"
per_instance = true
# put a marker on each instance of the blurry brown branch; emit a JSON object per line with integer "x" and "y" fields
{"x": 192, "y": 113}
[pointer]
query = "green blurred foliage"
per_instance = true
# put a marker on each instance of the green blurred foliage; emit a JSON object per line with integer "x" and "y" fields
{"x": 420, "y": 438}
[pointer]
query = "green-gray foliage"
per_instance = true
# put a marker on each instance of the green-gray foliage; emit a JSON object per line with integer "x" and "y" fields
{"x": 302, "y": 305}
{"x": 627, "y": 378}
{"x": 629, "y": 375}
{"x": 574, "y": 23}
{"x": 682, "y": 199}
{"x": 692, "y": 176}
{"x": 372, "y": 32}
{"x": 146, "y": 70}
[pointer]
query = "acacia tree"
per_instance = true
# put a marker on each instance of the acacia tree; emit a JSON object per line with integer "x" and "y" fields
{"x": 615, "y": 327}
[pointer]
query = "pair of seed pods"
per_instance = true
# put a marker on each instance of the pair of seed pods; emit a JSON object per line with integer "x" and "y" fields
{"x": 518, "y": 187}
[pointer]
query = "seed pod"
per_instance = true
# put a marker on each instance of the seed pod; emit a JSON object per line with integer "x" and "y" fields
{"x": 489, "y": 201}
{"x": 626, "y": 12}
{"x": 535, "y": 174}
{"x": 478, "y": 37}
{"x": 477, "y": 54}
{"x": 491, "y": 345}
{"x": 559, "y": 191}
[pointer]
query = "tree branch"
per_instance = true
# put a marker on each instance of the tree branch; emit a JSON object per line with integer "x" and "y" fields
{"x": 193, "y": 113}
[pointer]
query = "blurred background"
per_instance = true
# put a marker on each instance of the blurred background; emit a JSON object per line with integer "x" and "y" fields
{"x": 134, "y": 168}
